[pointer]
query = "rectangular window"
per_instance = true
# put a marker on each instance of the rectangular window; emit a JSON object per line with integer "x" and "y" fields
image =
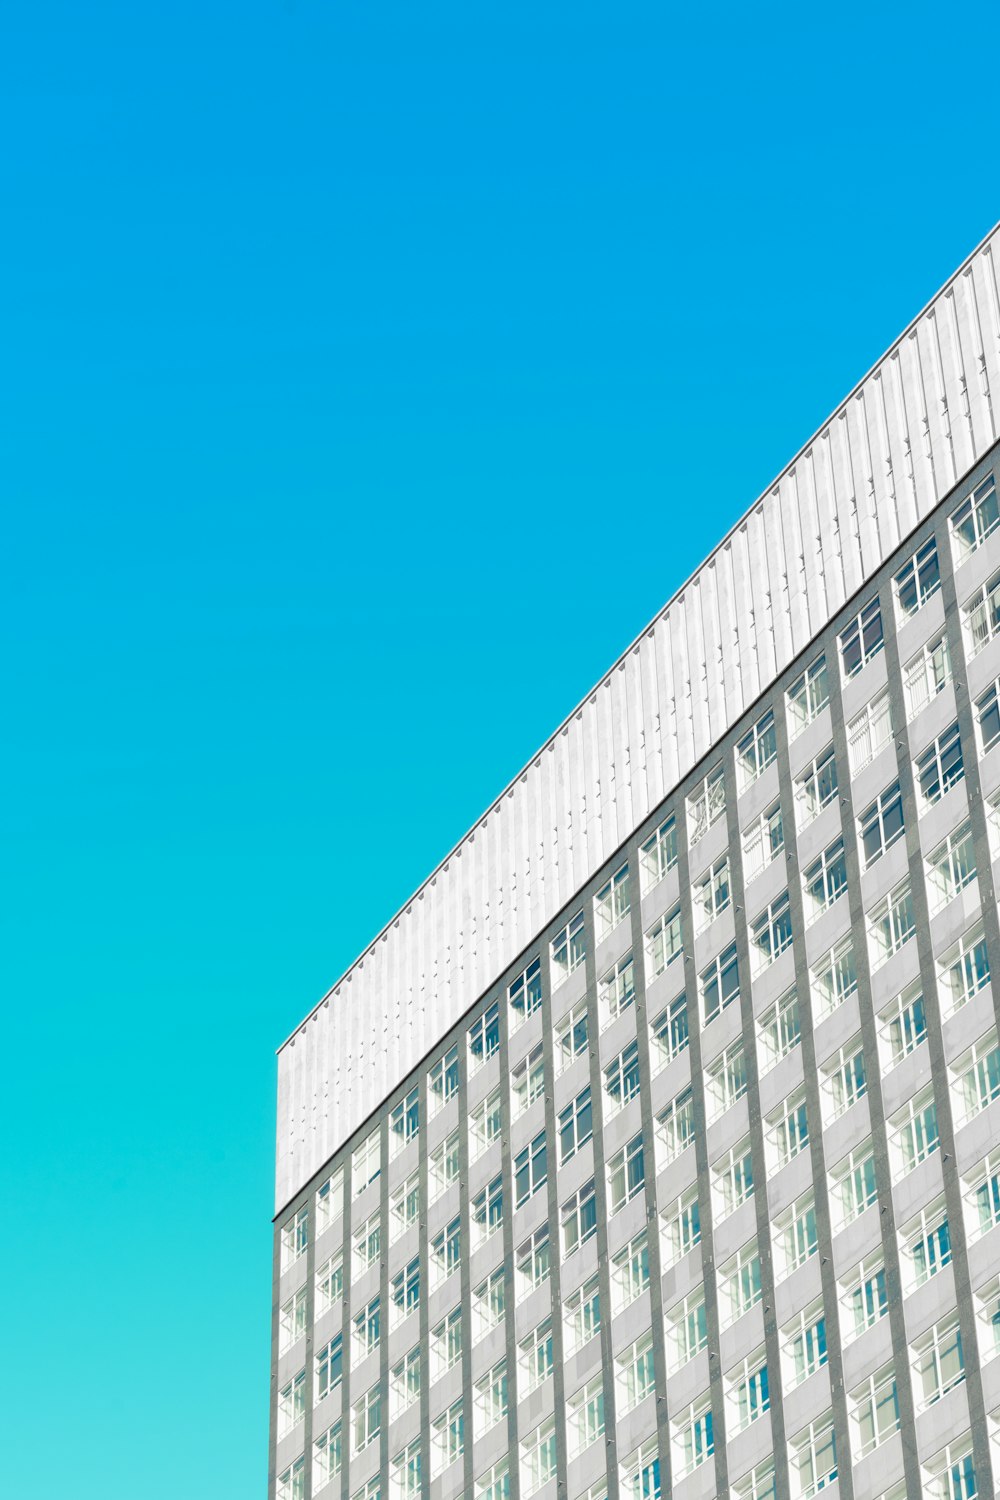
{"x": 488, "y": 1304}
{"x": 951, "y": 867}
{"x": 759, "y": 1484}
{"x": 803, "y": 1345}
{"x": 974, "y": 520}
{"x": 982, "y": 1197}
{"x": 447, "y": 1437}
{"x": 787, "y": 1130}
{"x": 571, "y": 1036}
{"x": 853, "y": 1186}
{"x": 446, "y": 1343}
{"x": 404, "y": 1473}
{"x": 330, "y": 1200}
{"x": 404, "y": 1122}
{"x": 720, "y": 984}
{"x": 634, "y": 1374}
{"x": 981, "y": 616}
{"x": 891, "y": 924}
{"x": 579, "y": 1217}
{"x": 485, "y": 1124}
{"x": 404, "y": 1288}
{"x": 725, "y": 1081}
{"x": 778, "y": 1030}
{"x": 747, "y": 1392}
{"x": 976, "y": 1078}
{"x": 367, "y": 1331}
{"x": 951, "y": 1474}
{"x": 795, "y": 1238}
{"x": 585, "y": 1417}
{"x": 404, "y": 1384}
{"x": 527, "y": 1080}
{"x": 939, "y": 767}
{"x": 329, "y": 1367}
{"x": 367, "y": 1245}
{"x": 914, "y": 1134}
{"x": 538, "y": 1457}
{"x": 675, "y": 1128}
{"x": 988, "y": 716}
{"x": 621, "y": 1077}
{"x": 902, "y": 1026}
{"x": 771, "y": 932}
{"x": 873, "y": 1408}
{"x": 616, "y": 990}
{"x": 686, "y": 1330}
{"x": 611, "y": 903}
{"x": 663, "y": 942}
{"x": 732, "y": 1178}
{"x": 490, "y": 1398}
{"x": 864, "y": 1297}
{"x": 442, "y": 1080}
{"x": 706, "y": 804}
{"x": 739, "y": 1284}
{"x": 530, "y": 1170}
{"x": 763, "y": 841}
{"x": 630, "y": 1271}
{"x": 812, "y": 1459}
{"x": 291, "y": 1484}
{"x": 582, "y": 1315}
{"x": 843, "y": 1081}
{"x": 869, "y": 731}
{"x": 443, "y": 1166}
{"x": 446, "y": 1256}
{"x": 691, "y": 1438}
{"x": 532, "y": 1262}
{"x": 711, "y": 893}
{"x": 669, "y": 1033}
{"x": 925, "y": 1245}
{"x": 525, "y": 994}
{"x": 815, "y": 787}
{"x": 681, "y": 1228}
{"x": 963, "y": 970}
{"x": 756, "y": 750}
{"x": 938, "y": 1363}
{"x": 291, "y": 1403}
{"x": 862, "y": 639}
{"x": 825, "y": 879}
{"x": 366, "y": 1163}
{"x": 658, "y": 854}
{"x": 576, "y": 1125}
{"x": 327, "y": 1457}
{"x": 569, "y": 948}
{"x": 917, "y": 580}
{"x": 640, "y": 1476}
{"x": 626, "y": 1174}
{"x": 534, "y": 1355}
{"x": 834, "y": 978}
{"x": 487, "y": 1211}
{"x": 926, "y": 675}
{"x": 807, "y": 696}
{"x": 292, "y": 1320}
{"x": 295, "y": 1237}
{"x": 484, "y": 1037}
{"x": 366, "y": 1419}
{"x": 880, "y": 825}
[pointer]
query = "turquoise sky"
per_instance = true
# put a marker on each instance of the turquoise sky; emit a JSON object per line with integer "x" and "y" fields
{"x": 372, "y": 374}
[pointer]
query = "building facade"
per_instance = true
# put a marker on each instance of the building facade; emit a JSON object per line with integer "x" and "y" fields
{"x": 699, "y": 1193}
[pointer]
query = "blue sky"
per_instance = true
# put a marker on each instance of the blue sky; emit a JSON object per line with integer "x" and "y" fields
{"x": 372, "y": 374}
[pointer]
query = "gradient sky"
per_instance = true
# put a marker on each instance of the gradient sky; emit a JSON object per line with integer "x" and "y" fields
{"x": 373, "y": 372}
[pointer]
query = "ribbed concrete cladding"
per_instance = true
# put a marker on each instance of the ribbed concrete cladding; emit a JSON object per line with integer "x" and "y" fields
{"x": 905, "y": 436}
{"x": 703, "y": 1196}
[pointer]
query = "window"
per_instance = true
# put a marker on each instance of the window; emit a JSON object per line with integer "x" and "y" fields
{"x": 626, "y": 1174}
{"x": 843, "y": 1080}
{"x": 495, "y": 1484}
{"x": 982, "y": 1196}
{"x": 988, "y": 1316}
{"x": 404, "y": 1288}
{"x": 621, "y": 1076}
{"x": 444, "y": 1164}
{"x": 488, "y": 1302}
{"x": 873, "y": 1408}
{"x": 446, "y": 1252}
{"x": 447, "y": 1437}
{"x": 756, "y": 750}
{"x": 329, "y": 1367}
{"x": 795, "y": 1236}
{"x": 891, "y": 924}
{"x": 867, "y": 733}
{"x": 974, "y": 520}
{"x": 807, "y": 696}
{"x": 720, "y": 983}
{"x": 489, "y": 1398}
{"x": 834, "y": 978}
{"x": 812, "y": 1459}
{"x": 485, "y": 1124}
{"x": 525, "y": 994}
{"x": 532, "y": 1261}
{"x": 763, "y": 841}
{"x": 291, "y": 1403}
{"x": 484, "y": 1036}
{"x": 640, "y": 1475}
{"x": 367, "y": 1245}
{"x": 327, "y": 1457}
{"x": 747, "y": 1393}
{"x": 670, "y": 1033}
{"x": 981, "y": 616}
{"x": 404, "y": 1122}
{"x": 759, "y": 1484}
{"x": 579, "y": 1217}
{"x": 925, "y": 1245}
{"x": 367, "y": 1326}
{"x": 330, "y": 1200}
{"x": 917, "y": 580}
{"x": 706, "y": 804}
{"x": 732, "y": 1177}
{"x": 366, "y": 1419}
{"x": 675, "y": 1128}
{"x": 902, "y": 1026}
{"x": 582, "y": 1315}
{"x": 292, "y": 1320}
{"x": 527, "y": 1080}
{"x": 815, "y": 787}
{"x": 914, "y": 1133}
{"x": 687, "y": 1330}
{"x": 576, "y": 1125}
{"x": 938, "y": 1363}
{"x": 538, "y": 1457}
{"x": 853, "y": 1185}
{"x": 926, "y": 675}
{"x": 787, "y": 1130}
{"x": 726, "y": 1080}
{"x": 940, "y": 766}
{"x": 681, "y": 1227}
{"x": 446, "y": 1343}
{"x": 569, "y": 948}
{"x": 366, "y": 1163}
{"x": 612, "y": 903}
{"x": 585, "y": 1417}
{"x": 951, "y": 867}
{"x": 530, "y": 1172}
{"x": 404, "y": 1473}
{"x": 291, "y": 1484}
{"x": 739, "y": 1284}
{"x": 442, "y": 1080}
{"x": 692, "y": 1439}
{"x": 964, "y": 969}
{"x": 635, "y": 1378}
{"x": 404, "y": 1206}
{"x": 862, "y": 639}
{"x": 951, "y": 1474}
{"x": 803, "y": 1345}
{"x": 487, "y": 1210}
{"x": 976, "y": 1078}
{"x": 880, "y": 824}
{"x": 663, "y": 942}
{"x": 825, "y": 879}
{"x": 711, "y": 894}
{"x": 295, "y": 1237}
{"x": 658, "y": 854}
{"x": 404, "y": 1383}
{"x": 630, "y": 1271}
{"x": 988, "y": 716}
{"x": 616, "y": 990}
{"x": 771, "y": 932}
{"x": 864, "y": 1298}
{"x": 571, "y": 1036}
{"x": 778, "y": 1030}
{"x": 534, "y": 1357}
